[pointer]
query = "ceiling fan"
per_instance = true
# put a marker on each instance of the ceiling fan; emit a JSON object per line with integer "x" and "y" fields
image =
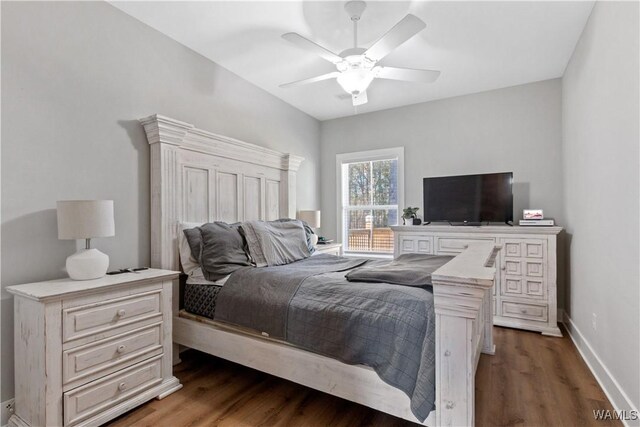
{"x": 356, "y": 66}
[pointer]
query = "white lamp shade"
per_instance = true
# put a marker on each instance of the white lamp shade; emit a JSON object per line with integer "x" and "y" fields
{"x": 310, "y": 217}
{"x": 84, "y": 219}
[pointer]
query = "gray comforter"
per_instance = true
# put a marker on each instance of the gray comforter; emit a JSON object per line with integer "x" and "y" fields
{"x": 259, "y": 298}
{"x": 310, "y": 304}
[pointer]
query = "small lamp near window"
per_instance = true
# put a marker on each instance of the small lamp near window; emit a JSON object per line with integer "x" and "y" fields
{"x": 312, "y": 218}
{"x": 86, "y": 219}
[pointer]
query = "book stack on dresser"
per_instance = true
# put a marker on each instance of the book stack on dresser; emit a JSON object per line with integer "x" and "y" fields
{"x": 88, "y": 351}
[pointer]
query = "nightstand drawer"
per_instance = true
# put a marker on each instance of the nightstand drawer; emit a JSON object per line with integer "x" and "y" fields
{"x": 88, "y": 362}
{"x": 524, "y": 311}
{"x": 329, "y": 248}
{"x": 107, "y": 317}
{"x": 98, "y": 396}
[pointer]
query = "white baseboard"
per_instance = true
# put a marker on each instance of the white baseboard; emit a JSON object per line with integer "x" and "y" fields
{"x": 5, "y": 412}
{"x": 608, "y": 383}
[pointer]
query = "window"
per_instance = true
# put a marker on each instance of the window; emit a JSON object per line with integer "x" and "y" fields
{"x": 369, "y": 196}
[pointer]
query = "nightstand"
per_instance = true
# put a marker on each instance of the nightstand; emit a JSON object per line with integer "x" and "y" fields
{"x": 88, "y": 351}
{"x": 330, "y": 248}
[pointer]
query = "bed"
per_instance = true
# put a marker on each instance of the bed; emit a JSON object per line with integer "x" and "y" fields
{"x": 198, "y": 176}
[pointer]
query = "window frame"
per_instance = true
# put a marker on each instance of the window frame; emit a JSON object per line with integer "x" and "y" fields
{"x": 341, "y": 202}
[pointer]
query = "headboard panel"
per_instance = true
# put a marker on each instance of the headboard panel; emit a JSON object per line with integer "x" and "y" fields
{"x": 198, "y": 176}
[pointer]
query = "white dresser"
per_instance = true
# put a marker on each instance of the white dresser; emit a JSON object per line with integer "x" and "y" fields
{"x": 525, "y": 291}
{"x": 88, "y": 351}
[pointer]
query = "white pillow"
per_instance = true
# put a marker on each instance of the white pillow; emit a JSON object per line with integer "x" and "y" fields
{"x": 189, "y": 263}
{"x": 196, "y": 277}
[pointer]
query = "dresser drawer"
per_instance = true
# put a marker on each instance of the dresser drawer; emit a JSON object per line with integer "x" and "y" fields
{"x": 518, "y": 286}
{"x": 534, "y": 268}
{"x": 98, "y": 396}
{"x": 455, "y": 245}
{"x": 524, "y": 311}
{"x": 415, "y": 244}
{"x": 103, "y": 357}
{"x": 524, "y": 248}
{"x": 526, "y": 267}
{"x": 107, "y": 317}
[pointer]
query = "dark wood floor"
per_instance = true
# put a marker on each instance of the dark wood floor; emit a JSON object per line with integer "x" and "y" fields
{"x": 531, "y": 381}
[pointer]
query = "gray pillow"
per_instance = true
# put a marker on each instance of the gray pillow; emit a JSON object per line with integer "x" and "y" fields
{"x": 220, "y": 248}
{"x": 194, "y": 239}
{"x": 275, "y": 242}
{"x": 307, "y": 231}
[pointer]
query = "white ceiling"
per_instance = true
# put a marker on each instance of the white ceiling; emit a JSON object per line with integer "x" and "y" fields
{"x": 477, "y": 46}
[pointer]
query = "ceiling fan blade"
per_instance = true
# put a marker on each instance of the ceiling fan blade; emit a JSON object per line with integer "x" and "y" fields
{"x": 408, "y": 74}
{"x": 312, "y": 80}
{"x": 359, "y": 99}
{"x": 310, "y": 46}
{"x": 408, "y": 27}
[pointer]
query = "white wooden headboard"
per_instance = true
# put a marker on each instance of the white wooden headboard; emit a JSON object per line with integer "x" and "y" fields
{"x": 198, "y": 176}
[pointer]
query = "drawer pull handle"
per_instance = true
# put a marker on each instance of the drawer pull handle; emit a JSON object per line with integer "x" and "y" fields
{"x": 121, "y": 348}
{"x": 121, "y": 312}
{"x": 122, "y": 386}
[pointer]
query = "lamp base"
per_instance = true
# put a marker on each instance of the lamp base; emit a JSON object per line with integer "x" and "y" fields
{"x": 87, "y": 264}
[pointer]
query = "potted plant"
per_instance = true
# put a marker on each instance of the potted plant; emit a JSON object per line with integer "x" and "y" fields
{"x": 410, "y": 213}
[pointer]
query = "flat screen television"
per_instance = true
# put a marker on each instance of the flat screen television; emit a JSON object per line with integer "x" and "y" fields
{"x": 469, "y": 199}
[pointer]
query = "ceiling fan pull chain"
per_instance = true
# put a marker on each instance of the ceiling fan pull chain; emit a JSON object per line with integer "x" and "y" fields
{"x": 355, "y": 32}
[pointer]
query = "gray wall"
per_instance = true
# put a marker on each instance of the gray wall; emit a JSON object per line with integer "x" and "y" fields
{"x": 75, "y": 77}
{"x": 514, "y": 129}
{"x": 600, "y": 163}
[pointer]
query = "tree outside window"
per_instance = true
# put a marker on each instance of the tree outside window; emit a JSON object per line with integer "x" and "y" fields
{"x": 370, "y": 192}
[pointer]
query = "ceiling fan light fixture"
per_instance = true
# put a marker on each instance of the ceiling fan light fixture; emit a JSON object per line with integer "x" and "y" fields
{"x": 356, "y": 80}
{"x": 357, "y": 66}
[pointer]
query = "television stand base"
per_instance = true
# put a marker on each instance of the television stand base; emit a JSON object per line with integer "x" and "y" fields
{"x": 467, "y": 223}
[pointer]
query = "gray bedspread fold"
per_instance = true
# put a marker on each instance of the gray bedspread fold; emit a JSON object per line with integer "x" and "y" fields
{"x": 407, "y": 269}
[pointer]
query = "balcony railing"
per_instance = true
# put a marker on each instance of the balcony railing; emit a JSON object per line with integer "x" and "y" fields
{"x": 370, "y": 240}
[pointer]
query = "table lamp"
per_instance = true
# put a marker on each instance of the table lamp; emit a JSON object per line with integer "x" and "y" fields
{"x": 312, "y": 218}
{"x": 86, "y": 219}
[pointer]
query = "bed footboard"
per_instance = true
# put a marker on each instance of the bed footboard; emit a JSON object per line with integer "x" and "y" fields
{"x": 464, "y": 320}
